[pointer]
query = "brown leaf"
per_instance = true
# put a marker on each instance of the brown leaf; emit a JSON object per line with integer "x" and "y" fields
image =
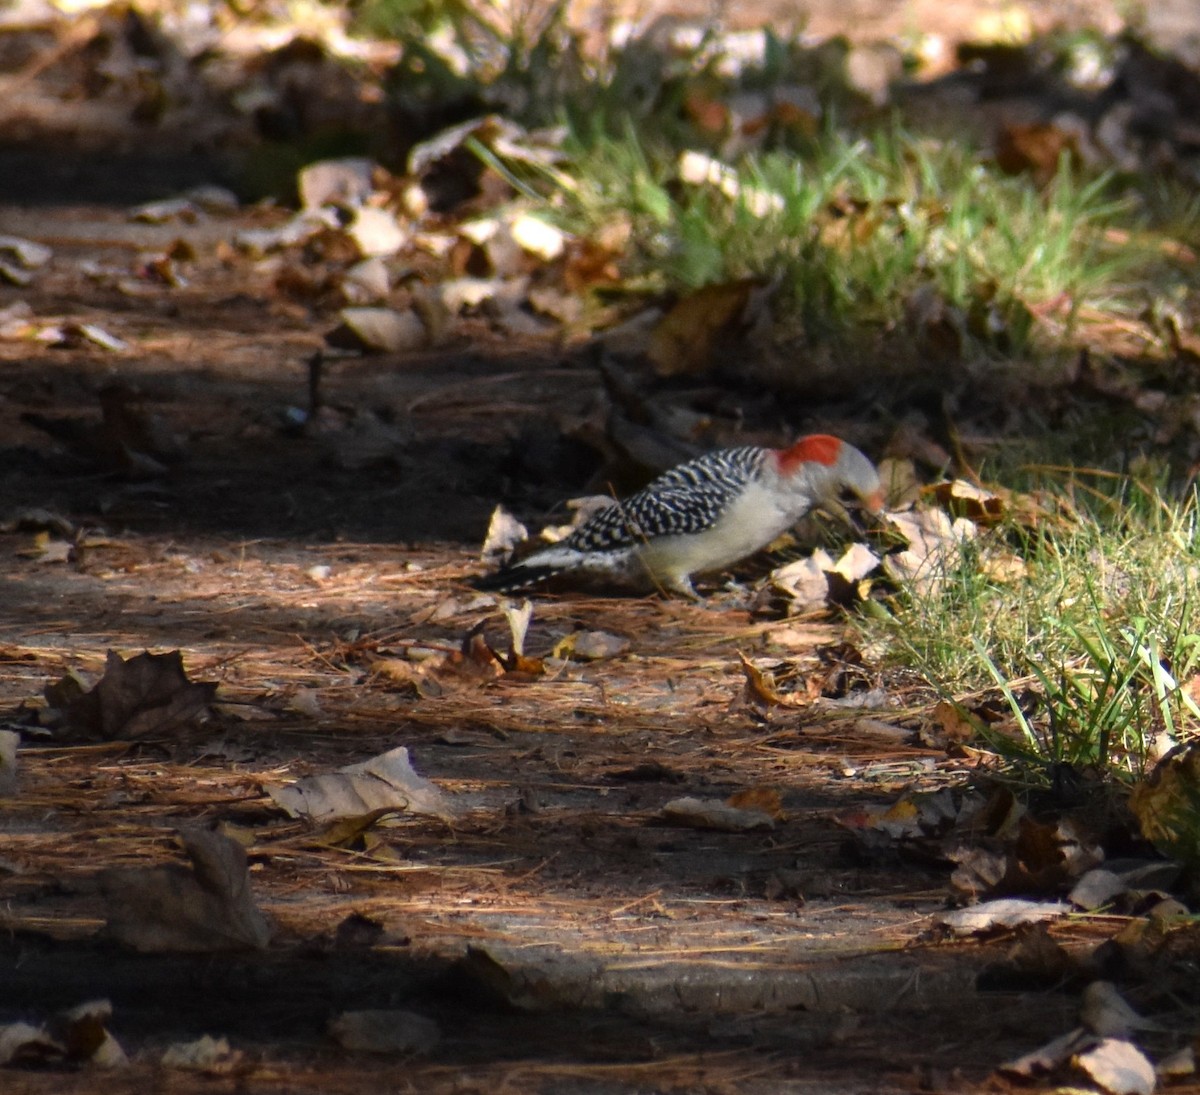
{"x": 148, "y": 695}
{"x": 172, "y": 909}
{"x": 683, "y": 342}
{"x": 1035, "y": 148}
{"x": 708, "y": 814}
{"x": 761, "y": 689}
{"x": 765, "y": 800}
{"x": 385, "y": 1031}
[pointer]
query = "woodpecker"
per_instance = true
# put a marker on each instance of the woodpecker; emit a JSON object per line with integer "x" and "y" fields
{"x": 700, "y": 516}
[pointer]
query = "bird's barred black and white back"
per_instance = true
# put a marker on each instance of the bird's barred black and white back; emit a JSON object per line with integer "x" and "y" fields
{"x": 684, "y": 501}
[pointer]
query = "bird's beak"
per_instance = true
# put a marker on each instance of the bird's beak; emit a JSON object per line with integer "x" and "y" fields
{"x": 873, "y": 503}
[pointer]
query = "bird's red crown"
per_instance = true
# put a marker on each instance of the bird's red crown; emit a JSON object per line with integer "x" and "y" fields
{"x": 816, "y": 448}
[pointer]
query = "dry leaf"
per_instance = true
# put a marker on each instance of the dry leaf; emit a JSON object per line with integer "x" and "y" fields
{"x": 1007, "y": 912}
{"x": 761, "y": 689}
{"x": 385, "y": 1031}
{"x": 9, "y": 740}
{"x": 84, "y": 1033}
{"x": 147, "y": 696}
{"x": 205, "y": 1054}
{"x": 504, "y": 533}
{"x": 518, "y": 617}
{"x": 684, "y": 341}
{"x": 1105, "y": 1012}
{"x": 172, "y": 909}
{"x": 700, "y": 814}
{"x": 375, "y": 330}
{"x": 1048, "y": 1058}
{"x": 588, "y": 646}
{"x": 1167, "y": 802}
{"x": 1117, "y": 1066}
{"x": 1096, "y": 888}
{"x": 765, "y": 800}
{"x": 385, "y": 782}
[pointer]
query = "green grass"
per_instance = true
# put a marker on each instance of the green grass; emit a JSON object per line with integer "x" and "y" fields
{"x": 862, "y": 225}
{"x": 1091, "y": 648}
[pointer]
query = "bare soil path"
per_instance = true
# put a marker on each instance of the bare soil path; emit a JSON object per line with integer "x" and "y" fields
{"x": 563, "y": 935}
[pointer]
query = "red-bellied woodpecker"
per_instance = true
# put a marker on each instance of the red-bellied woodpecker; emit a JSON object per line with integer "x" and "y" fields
{"x": 700, "y": 516}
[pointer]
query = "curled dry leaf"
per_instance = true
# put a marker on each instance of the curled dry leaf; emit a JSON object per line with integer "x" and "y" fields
{"x": 1096, "y": 888}
{"x": 590, "y": 646}
{"x": 9, "y": 740}
{"x": 1167, "y": 802}
{"x": 84, "y": 1033}
{"x": 172, "y": 909}
{"x": 934, "y": 548}
{"x": 816, "y": 582}
{"x": 385, "y": 782}
{"x": 761, "y": 688}
{"x": 1106, "y": 1012}
{"x": 207, "y": 1054}
{"x": 1118, "y": 1067}
{"x": 24, "y": 1044}
{"x": 519, "y": 618}
{"x": 709, "y": 814}
{"x": 385, "y": 1031}
{"x": 1048, "y": 1058}
{"x": 684, "y": 341}
{"x": 1002, "y": 913}
{"x": 347, "y": 182}
{"x": 379, "y": 330}
{"x": 78, "y": 1035}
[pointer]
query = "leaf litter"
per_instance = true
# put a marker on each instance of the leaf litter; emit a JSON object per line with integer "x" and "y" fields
{"x": 562, "y": 867}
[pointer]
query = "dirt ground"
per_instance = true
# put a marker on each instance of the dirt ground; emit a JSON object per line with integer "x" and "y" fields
{"x": 687, "y": 960}
{"x": 562, "y": 935}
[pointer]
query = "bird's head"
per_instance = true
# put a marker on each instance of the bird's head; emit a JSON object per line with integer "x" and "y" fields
{"x": 822, "y": 467}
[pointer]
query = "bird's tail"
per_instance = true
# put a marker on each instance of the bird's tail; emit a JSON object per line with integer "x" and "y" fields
{"x": 514, "y": 579}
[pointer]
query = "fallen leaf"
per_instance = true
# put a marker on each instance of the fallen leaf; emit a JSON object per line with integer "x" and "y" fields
{"x": 385, "y": 782}
{"x": 1095, "y": 889}
{"x": 761, "y": 688}
{"x": 1177, "y": 1066}
{"x": 765, "y": 800}
{"x": 206, "y": 1054}
{"x": 964, "y": 499}
{"x": 385, "y": 1031}
{"x": 173, "y": 909}
{"x": 955, "y": 723}
{"x": 1167, "y": 802}
{"x": 23, "y": 1044}
{"x": 1048, "y": 1058}
{"x": 1106, "y": 1012}
{"x": 709, "y": 814}
{"x": 934, "y": 548}
{"x": 376, "y": 232}
{"x": 588, "y": 646}
{"x": 145, "y": 696}
{"x": 519, "y": 618}
{"x": 684, "y": 341}
{"x": 805, "y": 581}
{"x": 1119, "y": 1067}
{"x": 375, "y": 330}
{"x": 1007, "y": 912}
{"x": 346, "y": 182}
{"x": 83, "y": 1032}
{"x": 9, "y": 740}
